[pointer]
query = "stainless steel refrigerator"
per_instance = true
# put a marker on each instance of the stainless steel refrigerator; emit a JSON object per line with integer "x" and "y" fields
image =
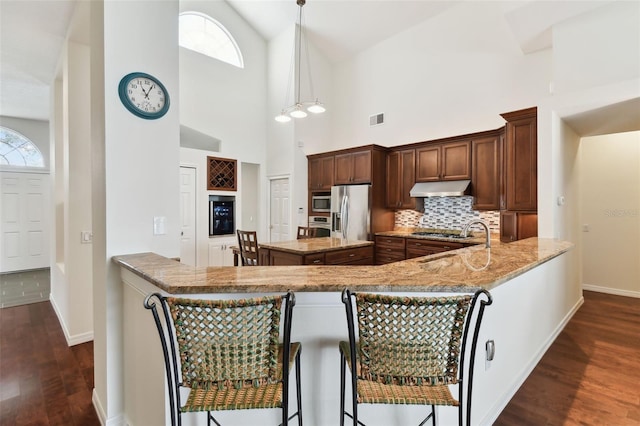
{"x": 351, "y": 212}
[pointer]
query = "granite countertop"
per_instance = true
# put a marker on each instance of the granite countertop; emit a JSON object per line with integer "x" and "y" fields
{"x": 473, "y": 238}
{"x": 463, "y": 270}
{"x": 315, "y": 245}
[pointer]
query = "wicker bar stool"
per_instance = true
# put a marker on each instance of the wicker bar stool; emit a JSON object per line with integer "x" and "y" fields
{"x": 409, "y": 350}
{"x": 227, "y": 353}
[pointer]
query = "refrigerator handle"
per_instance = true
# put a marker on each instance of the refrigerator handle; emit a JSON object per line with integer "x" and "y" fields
{"x": 344, "y": 215}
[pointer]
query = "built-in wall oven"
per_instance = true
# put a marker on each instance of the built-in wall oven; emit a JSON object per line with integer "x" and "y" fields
{"x": 322, "y": 225}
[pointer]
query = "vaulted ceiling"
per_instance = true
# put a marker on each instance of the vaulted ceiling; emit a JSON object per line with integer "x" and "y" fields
{"x": 32, "y": 32}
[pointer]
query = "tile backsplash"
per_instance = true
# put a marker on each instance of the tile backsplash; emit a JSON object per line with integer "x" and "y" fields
{"x": 447, "y": 213}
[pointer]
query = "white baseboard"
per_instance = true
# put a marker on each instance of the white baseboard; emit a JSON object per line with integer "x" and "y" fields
{"x": 494, "y": 413}
{"x": 72, "y": 340}
{"x": 114, "y": 421}
{"x": 609, "y": 290}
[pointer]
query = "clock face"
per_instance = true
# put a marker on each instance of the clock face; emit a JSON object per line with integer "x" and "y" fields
{"x": 144, "y": 95}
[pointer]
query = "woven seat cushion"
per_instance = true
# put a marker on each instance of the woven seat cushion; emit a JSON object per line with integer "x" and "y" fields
{"x": 228, "y": 397}
{"x": 377, "y": 392}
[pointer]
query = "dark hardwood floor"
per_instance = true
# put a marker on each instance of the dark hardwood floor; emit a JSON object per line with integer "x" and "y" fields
{"x": 42, "y": 380}
{"x": 589, "y": 376}
{"x": 591, "y": 373}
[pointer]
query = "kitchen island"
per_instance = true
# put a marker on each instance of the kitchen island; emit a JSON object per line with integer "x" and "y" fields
{"x": 532, "y": 283}
{"x": 318, "y": 251}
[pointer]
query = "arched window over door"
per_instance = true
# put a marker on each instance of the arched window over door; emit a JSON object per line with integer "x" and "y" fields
{"x": 18, "y": 150}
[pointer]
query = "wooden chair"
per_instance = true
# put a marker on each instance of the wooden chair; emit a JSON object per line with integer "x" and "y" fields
{"x": 409, "y": 350}
{"x": 227, "y": 353}
{"x": 248, "y": 243}
{"x": 305, "y": 232}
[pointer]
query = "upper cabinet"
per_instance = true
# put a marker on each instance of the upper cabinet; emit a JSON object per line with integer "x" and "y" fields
{"x": 321, "y": 169}
{"x": 486, "y": 172}
{"x": 401, "y": 167}
{"x": 521, "y": 160}
{"x": 447, "y": 161}
{"x": 352, "y": 168}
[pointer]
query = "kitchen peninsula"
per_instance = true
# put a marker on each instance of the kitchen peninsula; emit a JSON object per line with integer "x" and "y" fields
{"x": 531, "y": 270}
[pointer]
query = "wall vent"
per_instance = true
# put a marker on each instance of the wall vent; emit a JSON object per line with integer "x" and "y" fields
{"x": 376, "y": 119}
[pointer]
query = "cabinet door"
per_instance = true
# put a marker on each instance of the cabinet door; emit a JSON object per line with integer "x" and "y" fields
{"x": 315, "y": 173}
{"x": 517, "y": 226}
{"x": 281, "y": 258}
{"x": 321, "y": 173}
{"x": 361, "y": 167}
{"x": 486, "y": 171}
{"x": 394, "y": 183}
{"x": 456, "y": 161}
{"x": 326, "y": 166}
{"x": 521, "y": 163}
{"x": 428, "y": 164}
{"x": 342, "y": 172}
{"x": 407, "y": 178}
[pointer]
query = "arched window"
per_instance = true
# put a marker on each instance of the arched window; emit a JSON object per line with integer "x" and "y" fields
{"x": 18, "y": 150}
{"x": 205, "y": 35}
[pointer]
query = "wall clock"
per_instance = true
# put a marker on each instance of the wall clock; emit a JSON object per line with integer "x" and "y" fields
{"x": 144, "y": 95}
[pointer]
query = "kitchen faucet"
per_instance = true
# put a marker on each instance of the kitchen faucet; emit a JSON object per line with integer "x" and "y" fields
{"x": 465, "y": 229}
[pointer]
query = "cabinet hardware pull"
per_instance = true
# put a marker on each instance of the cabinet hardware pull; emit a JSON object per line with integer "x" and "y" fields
{"x": 351, "y": 255}
{"x": 316, "y": 261}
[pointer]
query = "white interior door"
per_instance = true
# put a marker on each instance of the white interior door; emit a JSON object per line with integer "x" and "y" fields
{"x": 280, "y": 210}
{"x": 188, "y": 215}
{"x": 24, "y": 221}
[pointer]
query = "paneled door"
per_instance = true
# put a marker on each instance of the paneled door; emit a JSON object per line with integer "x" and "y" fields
{"x": 24, "y": 221}
{"x": 280, "y": 210}
{"x": 188, "y": 215}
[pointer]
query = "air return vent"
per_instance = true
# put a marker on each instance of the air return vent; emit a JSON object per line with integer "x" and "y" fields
{"x": 376, "y": 119}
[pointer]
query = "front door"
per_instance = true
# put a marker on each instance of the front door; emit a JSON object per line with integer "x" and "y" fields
{"x": 188, "y": 215}
{"x": 24, "y": 221}
{"x": 280, "y": 211}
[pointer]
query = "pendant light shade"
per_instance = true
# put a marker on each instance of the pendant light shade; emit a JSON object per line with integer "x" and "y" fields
{"x": 296, "y": 110}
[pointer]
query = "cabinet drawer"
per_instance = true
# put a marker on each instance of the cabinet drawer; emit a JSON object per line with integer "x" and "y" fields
{"x": 419, "y": 248}
{"x": 314, "y": 259}
{"x": 349, "y": 255}
{"x": 417, "y": 244}
{"x": 390, "y": 242}
{"x": 383, "y": 256}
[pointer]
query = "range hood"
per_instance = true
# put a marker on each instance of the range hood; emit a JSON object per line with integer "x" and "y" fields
{"x": 450, "y": 188}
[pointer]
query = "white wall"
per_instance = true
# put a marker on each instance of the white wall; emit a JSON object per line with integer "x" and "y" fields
{"x": 135, "y": 170}
{"x": 227, "y": 102}
{"x": 610, "y": 207}
{"x": 451, "y": 75}
{"x": 71, "y": 260}
{"x": 36, "y": 130}
{"x": 597, "y": 48}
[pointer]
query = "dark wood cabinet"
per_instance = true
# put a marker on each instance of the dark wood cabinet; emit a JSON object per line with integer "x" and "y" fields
{"x": 354, "y": 256}
{"x": 352, "y": 168}
{"x": 347, "y": 256}
{"x": 321, "y": 170}
{"x": 401, "y": 166}
{"x": 389, "y": 249}
{"x": 448, "y": 161}
{"x": 521, "y": 165}
{"x": 428, "y": 163}
{"x": 517, "y": 225}
{"x": 420, "y": 247}
{"x": 486, "y": 173}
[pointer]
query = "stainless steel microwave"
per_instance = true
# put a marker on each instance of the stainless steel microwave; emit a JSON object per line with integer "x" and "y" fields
{"x": 320, "y": 203}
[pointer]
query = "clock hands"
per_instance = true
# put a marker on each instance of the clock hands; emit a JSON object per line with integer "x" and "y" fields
{"x": 146, "y": 94}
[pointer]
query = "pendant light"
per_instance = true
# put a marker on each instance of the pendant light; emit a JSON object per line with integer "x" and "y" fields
{"x": 297, "y": 110}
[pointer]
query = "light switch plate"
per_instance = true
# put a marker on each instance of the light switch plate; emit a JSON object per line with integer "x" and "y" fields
{"x": 159, "y": 225}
